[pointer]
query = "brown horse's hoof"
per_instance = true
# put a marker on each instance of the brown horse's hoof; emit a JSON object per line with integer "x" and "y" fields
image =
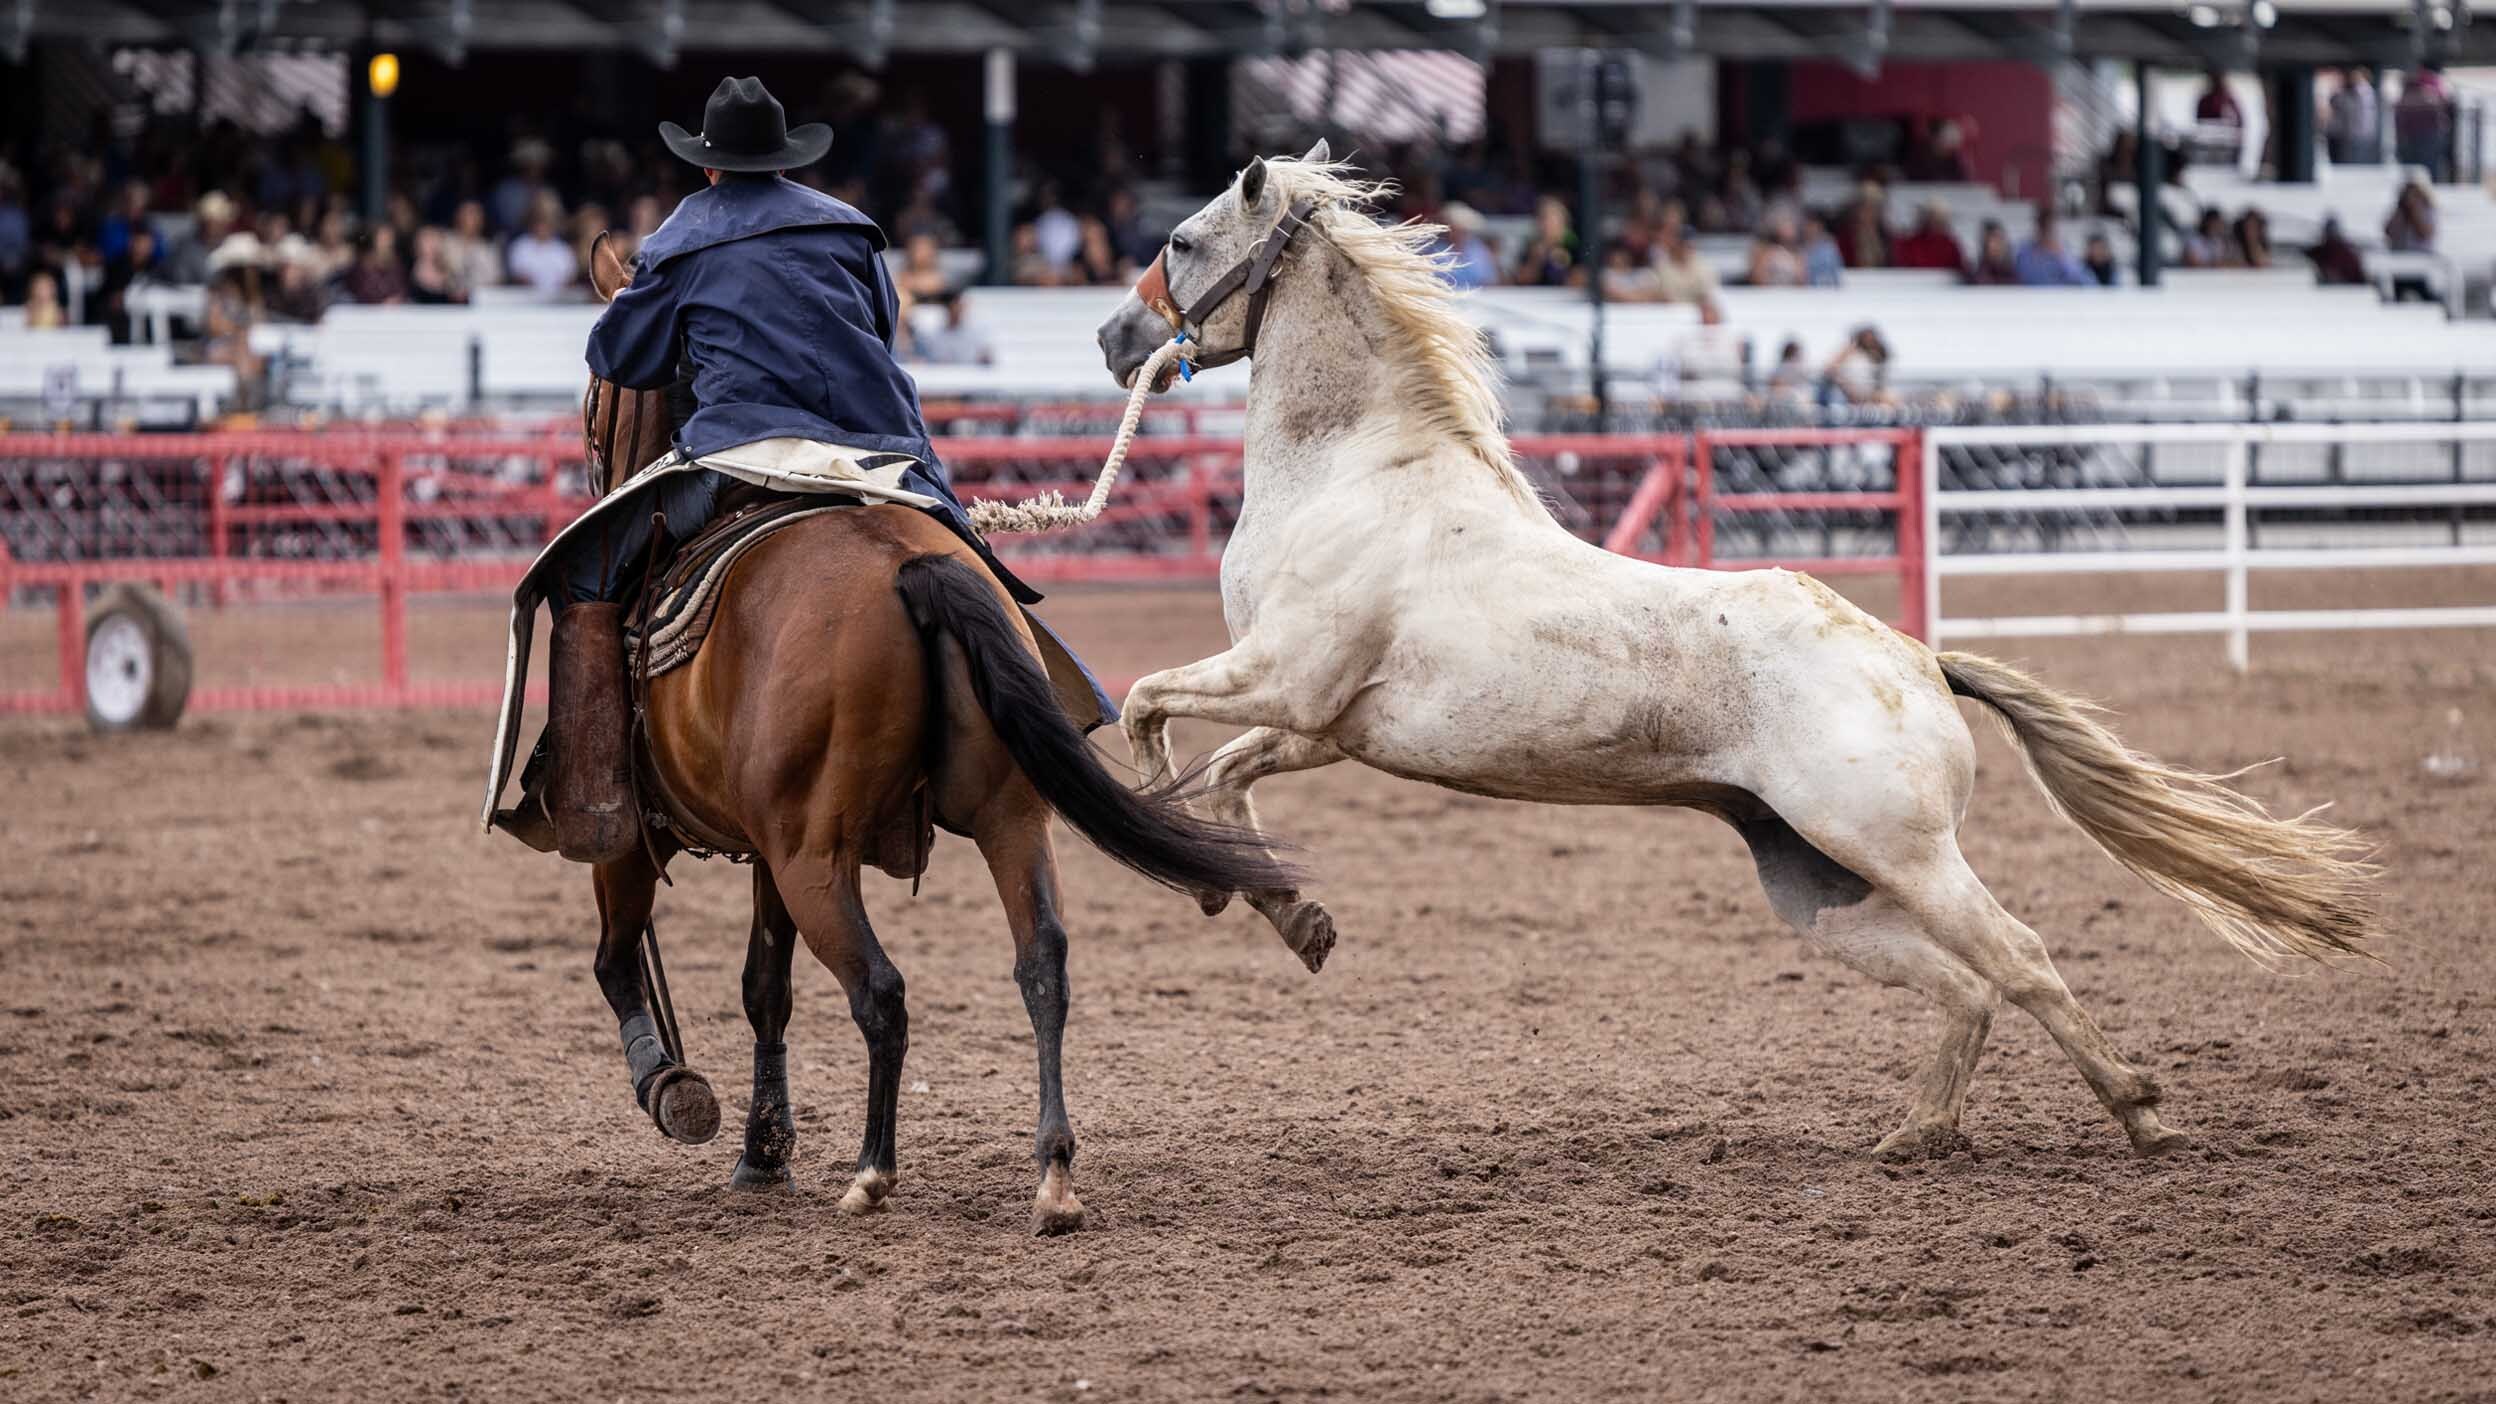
{"x": 867, "y": 1193}
{"x": 747, "y": 1179}
{"x": 1056, "y": 1210}
{"x": 1213, "y": 904}
{"x": 684, "y": 1106}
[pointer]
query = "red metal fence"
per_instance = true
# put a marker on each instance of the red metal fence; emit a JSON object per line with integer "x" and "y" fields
{"x": 239, "y": 518}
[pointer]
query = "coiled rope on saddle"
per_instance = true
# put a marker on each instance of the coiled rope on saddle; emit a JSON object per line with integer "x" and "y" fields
{"x": 1050, "y": 511}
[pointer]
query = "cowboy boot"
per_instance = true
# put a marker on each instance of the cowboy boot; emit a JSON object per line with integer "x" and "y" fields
{"x": 591, "y": 789}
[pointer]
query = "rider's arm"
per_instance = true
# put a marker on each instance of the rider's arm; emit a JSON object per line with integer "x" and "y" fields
{"x": 634, "y": 343}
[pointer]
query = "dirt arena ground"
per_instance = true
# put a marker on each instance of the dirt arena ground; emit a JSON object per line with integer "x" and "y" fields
{"x": 306, "y": 1093}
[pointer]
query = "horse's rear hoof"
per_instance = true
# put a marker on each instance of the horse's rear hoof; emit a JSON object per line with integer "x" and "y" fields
{"x": 1310, "y": 933}
{"x": 1213, "y": 904}
{"x": 684, "y": 1106}
{"x": 2163, "y": 1141}
{"x": 748, "y": 1179}
{"x": 1056, "y": 1210}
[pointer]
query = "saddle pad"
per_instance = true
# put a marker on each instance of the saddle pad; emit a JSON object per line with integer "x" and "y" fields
{"x": 687, "y": 597}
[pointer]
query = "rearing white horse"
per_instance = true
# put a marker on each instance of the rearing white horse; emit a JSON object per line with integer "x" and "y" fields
{"x": 1398, "y": 595}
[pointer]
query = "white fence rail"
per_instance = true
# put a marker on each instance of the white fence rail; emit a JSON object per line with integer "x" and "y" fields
{"x": 2237, "y": 500}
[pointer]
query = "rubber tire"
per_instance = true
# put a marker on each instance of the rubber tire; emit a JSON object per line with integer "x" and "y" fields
{"x": 168, "y": 650}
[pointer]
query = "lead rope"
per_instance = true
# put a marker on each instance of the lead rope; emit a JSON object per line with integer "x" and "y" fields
{"x": 1050, "y": 511}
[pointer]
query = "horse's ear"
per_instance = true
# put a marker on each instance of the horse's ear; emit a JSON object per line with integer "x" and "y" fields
{"x": 608, "y": 274}
{"x": 1319, "y": 154}
{"x": 1252, "y": 183}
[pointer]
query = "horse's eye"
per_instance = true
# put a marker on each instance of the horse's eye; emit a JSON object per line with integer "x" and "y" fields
{"x": 1179, "y": 244}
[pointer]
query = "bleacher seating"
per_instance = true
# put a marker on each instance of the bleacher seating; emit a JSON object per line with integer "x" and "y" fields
{"x": 2200, "y": 335}
{"x": 78, "y": 369}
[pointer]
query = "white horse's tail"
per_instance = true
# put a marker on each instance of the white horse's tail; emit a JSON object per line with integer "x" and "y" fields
{"x": 2273, "y": 887}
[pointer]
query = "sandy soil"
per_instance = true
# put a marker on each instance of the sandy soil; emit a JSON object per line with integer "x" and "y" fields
{"x": 306, "y": 1093}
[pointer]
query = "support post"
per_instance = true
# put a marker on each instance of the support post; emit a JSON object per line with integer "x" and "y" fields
{"x": 375, "y": 167}
{"x": 997, "y": 194}
{"x": 391, "y": 523}
{"x": 2239, "y": 451}
{"x": 2148, "y": 179}
{"x": 72, "y": 627}
{"x": 1928, "y": 507}
{"x": 1907, "y": 465}
{"x": 2292, "y": 116}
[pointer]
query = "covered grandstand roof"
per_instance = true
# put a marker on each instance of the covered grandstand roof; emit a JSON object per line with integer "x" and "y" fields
{"x": 2230, "y": 33}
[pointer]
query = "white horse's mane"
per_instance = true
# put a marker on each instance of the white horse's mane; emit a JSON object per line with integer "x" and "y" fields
{"x": 1447, "y": 375}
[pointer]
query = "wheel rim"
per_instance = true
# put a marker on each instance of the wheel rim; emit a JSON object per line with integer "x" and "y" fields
{"x": 120, "y": 670}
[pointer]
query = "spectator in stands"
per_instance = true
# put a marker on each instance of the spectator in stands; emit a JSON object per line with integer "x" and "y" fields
{"x": 1026, "y": 267}
{"x": 470, "y": 251}
{"x": 1789, "y": 381}
{"x": 2217, "y": 106}
{"x": 517, "y": 195}
{"x": 1940, "y": 155}
{"x": 1823, "y": 264}
{"x": 1626, "y": 278}
{"x": 922, "y": 215}
{"x": 2353, "y": 131}
{"x": 1863, "y": 232}
{"x": 2209, "y": 246}
{"x": 1550, "y": 258}
{"x": 129, "y": 215}
{"x": 2337, "y": 262}
{"x": 1471, "y": 261}
{"x": 299, "y": 295}
{"x": 43, "y": 302}
{"x": 1744, "y": 204}
{"x": 923, "y": 268}
{"x": 333, "y": 250}
{"x": 2411, "y": 228}
{"x": 540, "y": 260}
{"x": 959, "y": 342}
{"x": 1776, "y": 261}
{"x": 2099, "y": 261}
{"x": 376, "y": 279}
{"x": 1995, "y": 265}
{"x": 1059, "y": 232}
{"x": 431, "y": 279}
{"x": 1931, "y": 244}
{"x": 2252, "y": 233}
{"x": 2043, "y": 262}
{"x": 1708, "y": 361}
{"x": 1096, "y": 258}
{"x": 233, "y": 307}
{"x": 2422, "y": 122}
{"x": 1136, "y": 244}
{"x": 212, "y": 219}
{"x": 1682, "y": 273}
{"x": 1859, "y": 373}
{"x": 133, "y": 267}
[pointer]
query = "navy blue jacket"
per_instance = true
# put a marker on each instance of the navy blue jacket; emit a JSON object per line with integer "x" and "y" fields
{"x": 778, "y": 298}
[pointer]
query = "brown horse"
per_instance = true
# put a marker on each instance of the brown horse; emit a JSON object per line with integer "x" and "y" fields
{"x": 866, "y": 674}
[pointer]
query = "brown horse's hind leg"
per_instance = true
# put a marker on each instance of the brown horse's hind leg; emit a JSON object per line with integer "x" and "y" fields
{"x": 1020, "y": 859}
{"x": 822, "y": 897}
{"x": 770, "y": 1131}
{"x": 678, "y": 1099}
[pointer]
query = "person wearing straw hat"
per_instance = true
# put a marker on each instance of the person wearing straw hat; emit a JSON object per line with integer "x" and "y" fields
{"x": 771, "y": 304}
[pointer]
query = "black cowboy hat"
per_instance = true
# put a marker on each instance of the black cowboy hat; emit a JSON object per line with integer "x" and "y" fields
{"x": 744, "y": 128}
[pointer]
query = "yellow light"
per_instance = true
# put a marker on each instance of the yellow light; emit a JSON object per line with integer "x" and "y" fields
{"x": 384, "y": 74}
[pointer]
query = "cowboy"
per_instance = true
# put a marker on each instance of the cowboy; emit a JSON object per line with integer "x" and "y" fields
{"x": 770, "y": 301}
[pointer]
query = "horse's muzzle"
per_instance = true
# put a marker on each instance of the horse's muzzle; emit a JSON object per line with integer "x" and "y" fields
{"x": 1131, "y": 334}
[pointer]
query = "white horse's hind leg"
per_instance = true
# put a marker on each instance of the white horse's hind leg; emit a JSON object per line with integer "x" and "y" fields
{"x": 1953, "y": 905}
{"x": 1865, "y": 927}
{"x": 1305, "y": 926}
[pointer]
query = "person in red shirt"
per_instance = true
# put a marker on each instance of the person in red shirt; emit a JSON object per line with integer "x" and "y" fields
{"x": 1931, "y": 244}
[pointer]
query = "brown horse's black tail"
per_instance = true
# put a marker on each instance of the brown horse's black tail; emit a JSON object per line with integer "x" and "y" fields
{"x": 1149, "y": 832}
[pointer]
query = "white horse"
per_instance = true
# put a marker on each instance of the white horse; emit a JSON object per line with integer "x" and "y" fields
{"x": 1398, "y": 595}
